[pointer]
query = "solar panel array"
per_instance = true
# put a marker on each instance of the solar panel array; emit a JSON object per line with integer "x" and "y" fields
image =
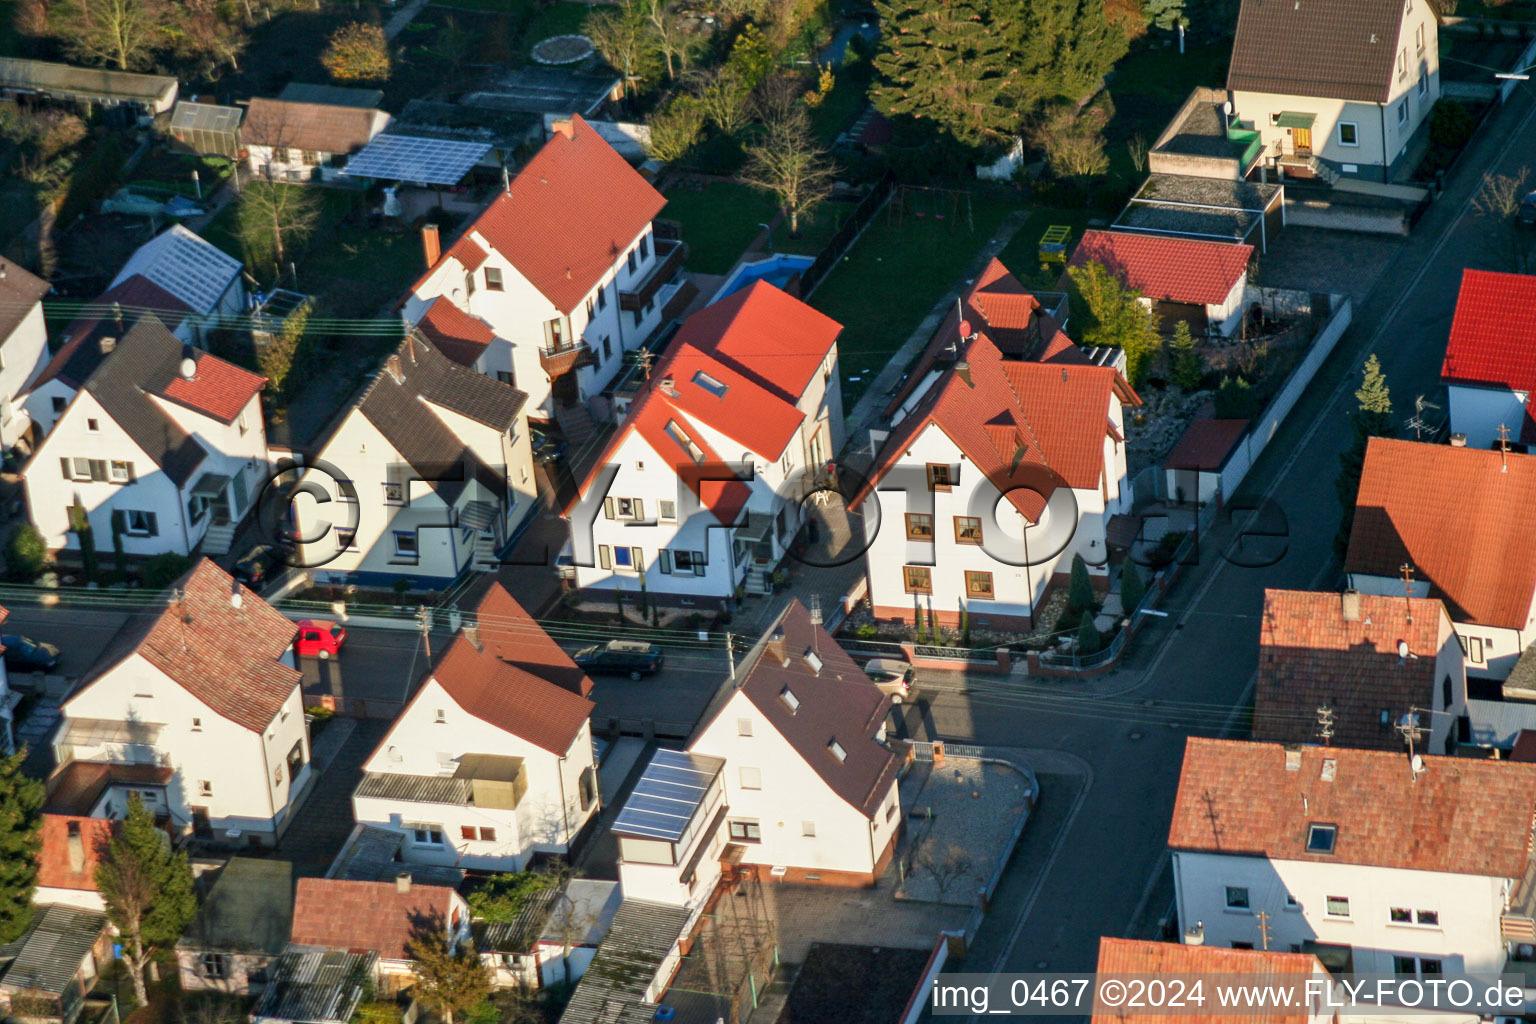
{"x": 670, "y": 790}
{"x": 415, "y": 159}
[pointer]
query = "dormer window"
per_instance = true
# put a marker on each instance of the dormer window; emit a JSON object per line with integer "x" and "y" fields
{"x": 679, "y": 435}
{"x": 710, "y": 384}
{"x": 790, "y": 700}
{"x": 836, "y": 750}
{"x": 1321, "y": 838}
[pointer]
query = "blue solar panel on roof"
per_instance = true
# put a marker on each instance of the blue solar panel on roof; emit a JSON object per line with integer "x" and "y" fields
{"x": 413, "y": 158}
{"x": 670, "y": 790}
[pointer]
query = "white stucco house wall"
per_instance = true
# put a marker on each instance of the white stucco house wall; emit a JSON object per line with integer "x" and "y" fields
{"x": 159, "y": 440}
{"x": 1402, "y": 868}
{"x": 700, "y": 490}
{"x": 1412, "y": 509}
{"x": 1348, "y": 85}
{"x": 1005, "y": 457}
{"x": 23, "y": 345}
{"x": 557, "y": 279}
{"x": 1490, "y": 360}
{"x": 491, "y": 761}
{"x": 204, "y": 686}
{"x": 429, "y": 474}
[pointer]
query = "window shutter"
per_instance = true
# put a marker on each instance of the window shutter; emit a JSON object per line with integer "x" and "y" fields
{"x": 639, "y": 560}
{"x": 698, "y": 563}
{"x": 604, "y": 557}
{"x": 151, "y": 523}
{"x": 98, "y": 469}
{"x": 608, "y": 508}
{"x": 132, "y": 476}
{"x": 118, "y": 526}
{"x": 664, "y": 560}
{"x": 639, "y": 509}
{"x": 65, "y": 464}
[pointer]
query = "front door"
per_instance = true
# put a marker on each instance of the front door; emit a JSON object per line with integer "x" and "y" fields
{"x": 1303, "y": 139}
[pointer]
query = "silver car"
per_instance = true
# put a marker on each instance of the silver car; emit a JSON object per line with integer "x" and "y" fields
{"x": 892, "y": 676}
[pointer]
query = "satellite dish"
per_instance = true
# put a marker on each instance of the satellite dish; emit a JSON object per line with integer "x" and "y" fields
{"x": 189, "y": 368}
{"x": 1402, "y": 648}
{"x": 1418, "y": 765}
{"x": 1226, "y": 108}
{"x": 965, "y": 328}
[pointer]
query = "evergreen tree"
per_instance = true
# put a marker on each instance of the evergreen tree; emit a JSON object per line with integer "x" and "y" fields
{"x": 21, "y": 805}
{"x": 1087, "y": 636}
{"x": 947, "y": 60}
{"x": 1132, "y": 589}
{"x": 1186, "y": 370}
{"x": 80, "y": 523}
{"x": 1165, "y": 14}
{"x": 1371, "y": 418}
{"x": 448, "y": 981}
{"x": 1115, "y": 316}
{"x": 1080, "y": 590}
{"x": 147, "y": 889}
{"x": 1061, "y": 49}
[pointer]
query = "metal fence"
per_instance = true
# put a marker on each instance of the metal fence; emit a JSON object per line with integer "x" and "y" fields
{"x": 847, "y": 234}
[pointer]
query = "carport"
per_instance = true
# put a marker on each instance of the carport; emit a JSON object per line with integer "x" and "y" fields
{"x": 1211, "y": 208}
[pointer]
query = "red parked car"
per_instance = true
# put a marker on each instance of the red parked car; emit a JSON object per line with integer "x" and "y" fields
{"x": 319, "y": 639}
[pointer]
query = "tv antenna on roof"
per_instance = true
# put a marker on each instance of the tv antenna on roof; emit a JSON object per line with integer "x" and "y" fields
{"x": 1416, "y": 421}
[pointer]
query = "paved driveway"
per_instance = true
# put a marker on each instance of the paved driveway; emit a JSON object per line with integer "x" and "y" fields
{"x": 325, "y": 820}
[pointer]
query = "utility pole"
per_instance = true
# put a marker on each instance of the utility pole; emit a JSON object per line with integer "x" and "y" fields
{"x": 1325, "y": 723}
{"x": 1407, "y": 572}
{"x": 424, "y": 620}
{"x": 1263, "y": 916}
{"x": 1503, "y": 448}
{"x": 730, "y": 654}
{"x": 1408, "y": 728}
{"x": 644, "y": 358}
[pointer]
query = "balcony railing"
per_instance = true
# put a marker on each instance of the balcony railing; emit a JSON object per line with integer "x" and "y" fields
{"x": 562, "y": 358}
{"x": 669, "y": 260}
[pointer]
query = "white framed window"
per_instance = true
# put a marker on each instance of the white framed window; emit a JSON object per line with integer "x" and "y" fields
{"x": 1472, "y": 648}
{"x": 405, "y": 542}
{"x": 197, "y": 725}
{"x": 243, "y": 425}
{"x": 1418, "y": 39}
{"x": 204, "y": 787}
{"x": 1402, "y": 62}
{"x": 1337, "y": 906}
{"x": 120, "y": 471}
{"x": 808, "y": 828}
{"x": 94, "y": 426}
{"x": 667, "y": 510}
{"x": 1402, "y": 111}
{"x": 139, "y": 523}
{"x": 441, "y": 718}
{"x": 346, "y": 540}
{"x": 743, "y": 727}
{"x": 1423, "y": 84}
{"x": 394, "y": 493}
{"x": 1349, "y": 133}
{"x": 751, "y": 778}
{"x": 427, "y": 835}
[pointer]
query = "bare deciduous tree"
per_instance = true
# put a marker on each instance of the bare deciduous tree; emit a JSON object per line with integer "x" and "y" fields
{"x": 723, "y": 94}
{"x": 120, "y": 33}
{"x": 623, "y": 34}
{"x": 787, "y": 162}
{"x": 1499, "y": 199}
{"x": 946, "y": 869}
{"x": 1137, "y": 147}
{"x": 675, "y": 43}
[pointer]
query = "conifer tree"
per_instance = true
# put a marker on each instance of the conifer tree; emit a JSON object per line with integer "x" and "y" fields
{"x": 21, "y": 805}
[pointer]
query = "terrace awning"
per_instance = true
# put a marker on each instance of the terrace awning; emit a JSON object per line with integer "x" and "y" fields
{"x": 1290, "y": 119}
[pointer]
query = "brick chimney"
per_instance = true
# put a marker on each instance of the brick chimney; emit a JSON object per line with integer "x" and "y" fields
{"x": 565, "y": 126}
{"x": 1351, "y": 606}
{"x": 776, "y": 648}
{"x": 403, "y": 882}
{"x": 431, "y": 244}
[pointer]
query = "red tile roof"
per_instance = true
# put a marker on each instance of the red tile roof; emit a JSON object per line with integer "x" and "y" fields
{"x": 1460, "y": 816}
{"x": 1310, "y": 655}
{"x": 226, "y": 657}
{"x": 569, "y": 215}
{"x": 764, "y": 347}
{"x": 836, "y": 702}
{"x": 1205, "y": 444}
{"x": 1170, "y": 959}
{"x": 218, "y": 388}
{"x": 468, "y": 252}
{"x": 1028, "y": 426}
{"x": 515, "y": 637}
{"x": 1493, "y": 338}
{"x": 53, "y": 862}
{"x": 456, "y": 334}
{"x": 81, "y": 353}
{"x": 334, "y": 913}
{"x": 510, "y": 697}
{"x": 1166, "y": 268}
{"x": 321, "y": 127}
{"x": 1459, "y": 517}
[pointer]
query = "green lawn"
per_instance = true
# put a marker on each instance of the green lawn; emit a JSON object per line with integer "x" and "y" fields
{"x": 1147, "y": 88}
{"x": 721, "y": 219}
{"x": 1022, "y": 254}
{"x": 890, "y": 280}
